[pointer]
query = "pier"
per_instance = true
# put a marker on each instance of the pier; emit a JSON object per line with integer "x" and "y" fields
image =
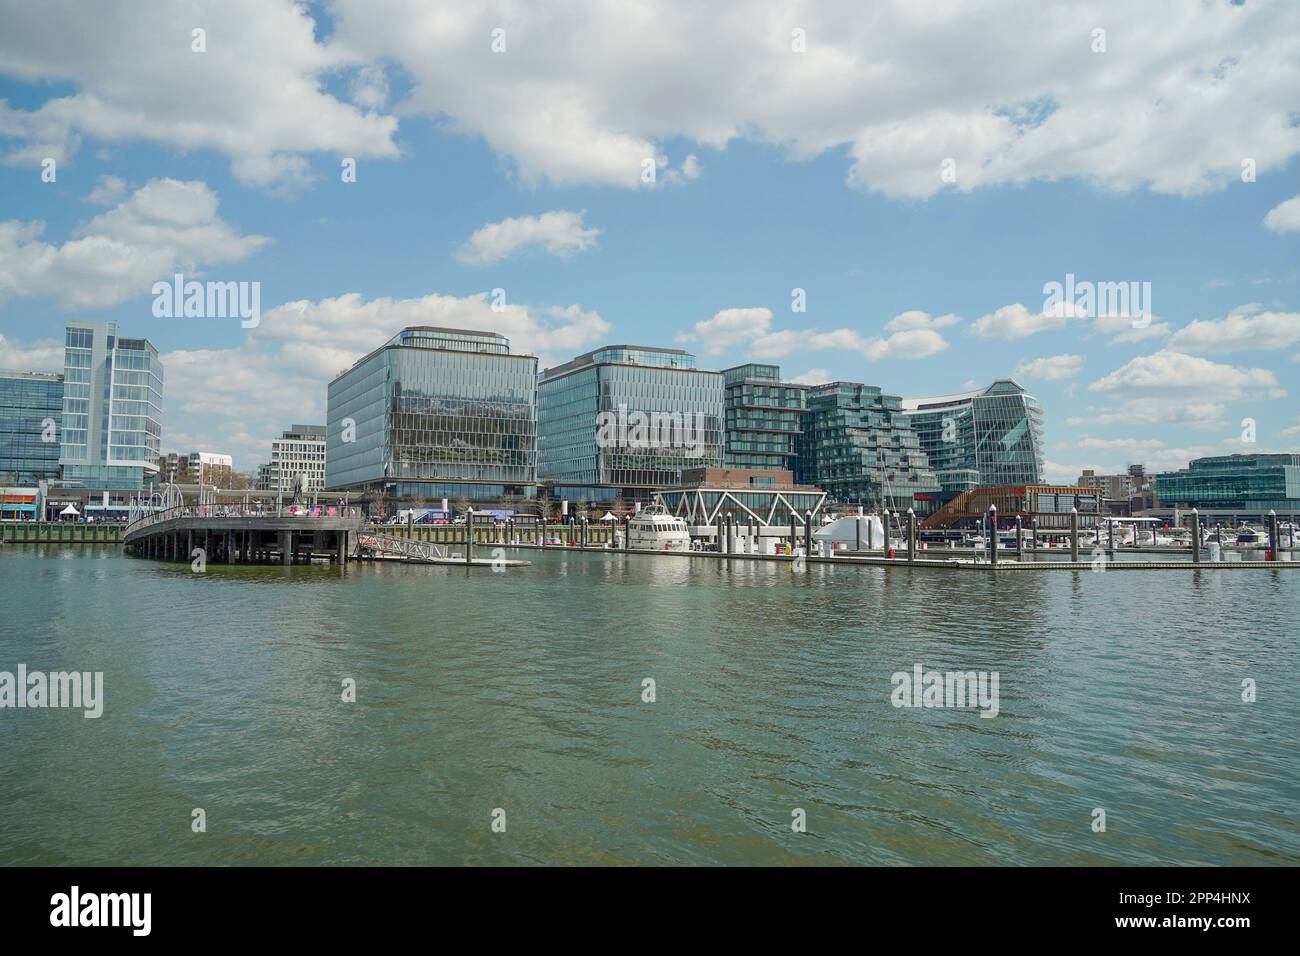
{"x": 227, "y": 536}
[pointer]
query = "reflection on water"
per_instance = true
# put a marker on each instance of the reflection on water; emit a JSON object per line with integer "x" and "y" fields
{"x": 522, "y": 690}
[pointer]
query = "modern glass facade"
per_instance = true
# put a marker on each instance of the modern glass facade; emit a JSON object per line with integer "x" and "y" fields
{"x": 112, "y": 408}
{"x": 763, "y": 417}
{"x": 858, "y": 446}
{"x": 990, "y": 437}
{"x": 1249, "y": 482}
{"x": 623, "y": 420}
{"x": 31, "y": 404}
{"x": 435, "y": 413}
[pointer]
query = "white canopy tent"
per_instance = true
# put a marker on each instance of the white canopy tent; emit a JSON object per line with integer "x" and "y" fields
{"x": 70, "y": 511}
{"x": 609, "y": 516}
{"x": 842, "y": 532}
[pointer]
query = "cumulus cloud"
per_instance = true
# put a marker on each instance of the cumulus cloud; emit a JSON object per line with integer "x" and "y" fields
{"x": 814, "y": 376}
{"x": 1017, "y": 322}
{"x": 752, "y": 328}
{"x": 907, "y": 321}
{"x": 162, "y": 227}
{"x": 1050, "y": 368}
{"x": 108, "y": 190}
{"x": 1284, "y": 217}
{"x": 1246, "y": 328}
{"x": 560, "y": 233}
{"x": 901, "y": 91}
{"x": 43, "y": 356}
{"x": 586, "y": 92}
{"x": 255, "y": 95}
{"x": 1177, "y": 388}
{"x": 1174, "y": 373}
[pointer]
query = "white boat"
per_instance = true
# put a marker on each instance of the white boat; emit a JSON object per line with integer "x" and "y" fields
{"x": 655, "y": 529}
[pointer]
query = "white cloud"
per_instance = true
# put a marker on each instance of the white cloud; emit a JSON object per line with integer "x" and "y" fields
{"x": 907, "y": 321}
{"x": 814, "y": 376}
{"x": 588, "y": 90}
{"x": 256, "y": 95}
{"x": 1017, "y": 322}
{"x": 1284, "y": 217}
{"x": 1177, "y": 388}
{"x": 560, "y": 233}
{"x": 1245, "y": 328}
{"x": 108, "y": 190}
{"x": 902, "y": 90}
{"x": 752, "y": 327}
{"x": 44, "y": 356}
{"x": 1120, "y": 330}
{"x": 1050, "y": 367}
{"x": 728, "y": 328}
{"x": 162, "y": 227}
{"x": 1169, "y": 373}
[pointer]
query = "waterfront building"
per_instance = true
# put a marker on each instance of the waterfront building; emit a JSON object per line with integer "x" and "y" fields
{"x": 112, "y": 408}
{"x": 31, "y": 404}
{"x": 297, "y": 462}
{"x": 1256, "y": 483}
{"x": 1050, "y": 505}
{"x": 1130, "y": 491}
{"x": 763, "y": 496}
{"x": 624, "y": 420}
{"x": 435, "y": 413}
{"x": 858, "y": 445}
{"x": 213, "y": 468}
{"x": 763, "y": 416}
{"x": 990, "y": 436}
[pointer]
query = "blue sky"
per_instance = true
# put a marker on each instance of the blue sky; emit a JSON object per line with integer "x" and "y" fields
{"x": 777, "y": 170}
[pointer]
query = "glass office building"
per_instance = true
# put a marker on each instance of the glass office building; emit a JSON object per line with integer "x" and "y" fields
{"x": 31, "y": 404}
{"x": 435, "y": 413}
{"x": 623, "y": 420}
{"x": 763, "y": 416}
{"x": 989, "y": 437}
{"x": 858, "y": 445}
{"x": 112, "y": 409}
{"x": 1255, "y": 483}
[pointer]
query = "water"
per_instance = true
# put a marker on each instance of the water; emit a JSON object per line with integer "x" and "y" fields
{"x": 522, "y": 691}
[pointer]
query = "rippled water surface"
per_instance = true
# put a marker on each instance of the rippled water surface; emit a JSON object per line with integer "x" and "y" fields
{"x": 522, "y": 691}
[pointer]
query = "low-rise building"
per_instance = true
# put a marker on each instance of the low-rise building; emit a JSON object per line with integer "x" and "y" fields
{"x": 1256, "y": 483}
{"x": 764, "y": 496}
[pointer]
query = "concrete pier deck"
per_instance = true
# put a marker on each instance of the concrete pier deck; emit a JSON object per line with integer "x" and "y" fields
{"x": 243, "y": 539}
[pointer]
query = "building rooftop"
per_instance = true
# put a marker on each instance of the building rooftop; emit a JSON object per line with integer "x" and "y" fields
{"x": 654, "y": 357}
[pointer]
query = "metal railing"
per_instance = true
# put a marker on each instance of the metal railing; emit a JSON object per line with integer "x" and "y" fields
{"x": 143, "y": 516}
{"x": 409, "y": 547}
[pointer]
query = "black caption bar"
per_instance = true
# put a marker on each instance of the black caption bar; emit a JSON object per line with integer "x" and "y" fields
{"x": 136, "y": 906}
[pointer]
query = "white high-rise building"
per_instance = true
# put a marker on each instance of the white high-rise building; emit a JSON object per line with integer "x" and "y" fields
{"x": 297, "y": 461}
{"x": 112, "y": 408}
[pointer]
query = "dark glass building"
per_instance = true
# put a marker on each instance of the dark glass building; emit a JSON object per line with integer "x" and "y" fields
{"x": 435, "y": 413}
{"x": 989, "y": 437}
{"x": 858, "y": 445}
{"x": 1255, "y": 483}
{"x": 763, "y": 416}
{"x": 31, "y": 404}
{"x": 624, "y": 420}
